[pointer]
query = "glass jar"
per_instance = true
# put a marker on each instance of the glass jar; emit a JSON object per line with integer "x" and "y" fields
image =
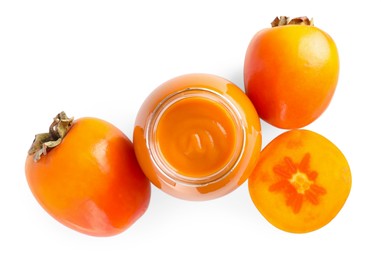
{"x": 197, "y": 137}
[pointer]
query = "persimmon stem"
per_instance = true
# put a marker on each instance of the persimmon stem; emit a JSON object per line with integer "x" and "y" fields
{"x": 285, "y": 20}
{"x": 46, "y": 141}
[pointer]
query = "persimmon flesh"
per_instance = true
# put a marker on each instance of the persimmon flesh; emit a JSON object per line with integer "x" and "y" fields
{"x": 301, "y": 181}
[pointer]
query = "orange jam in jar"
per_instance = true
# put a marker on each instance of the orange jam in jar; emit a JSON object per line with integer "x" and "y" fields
{"x": 197, "y": 137}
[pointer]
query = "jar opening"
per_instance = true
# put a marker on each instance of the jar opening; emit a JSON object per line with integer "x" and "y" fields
{"x": 195, "y": 136}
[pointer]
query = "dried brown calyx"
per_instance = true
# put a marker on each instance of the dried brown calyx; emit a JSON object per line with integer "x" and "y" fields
{"x": 44, "y": 142}
{"x": 285, "y": 20}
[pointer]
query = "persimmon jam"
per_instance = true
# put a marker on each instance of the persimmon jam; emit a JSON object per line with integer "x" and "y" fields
{"x": 197, "y": 137}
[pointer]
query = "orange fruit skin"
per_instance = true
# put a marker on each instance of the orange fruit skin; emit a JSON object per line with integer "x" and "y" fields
{"x": 91, "y": 182}
{"x": 290, "y": 74}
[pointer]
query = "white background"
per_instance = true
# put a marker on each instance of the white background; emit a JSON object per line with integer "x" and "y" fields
{"x": 102, "y": 58}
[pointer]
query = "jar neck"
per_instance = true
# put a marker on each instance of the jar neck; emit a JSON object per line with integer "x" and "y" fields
{"x": 165, "y": 169}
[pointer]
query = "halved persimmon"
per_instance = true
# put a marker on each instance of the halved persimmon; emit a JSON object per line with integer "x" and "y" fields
{"x": 301, "y": 181}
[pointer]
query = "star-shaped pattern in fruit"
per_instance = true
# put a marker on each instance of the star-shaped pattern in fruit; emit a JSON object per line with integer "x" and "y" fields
{"x": 297, "y": 182}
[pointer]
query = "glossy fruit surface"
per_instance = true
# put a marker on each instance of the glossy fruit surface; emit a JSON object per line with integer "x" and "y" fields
{"x": 91, "y": 181}
{"x": 290, "y": 74}
{"x": 301, "y": 181}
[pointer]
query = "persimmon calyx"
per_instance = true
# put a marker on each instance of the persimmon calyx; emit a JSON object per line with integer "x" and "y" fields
{"x": 46, "y": 141}
{"x": 285, "y": 20}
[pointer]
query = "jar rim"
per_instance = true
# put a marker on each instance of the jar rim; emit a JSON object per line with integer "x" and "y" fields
{"x": 170, "y": 174}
